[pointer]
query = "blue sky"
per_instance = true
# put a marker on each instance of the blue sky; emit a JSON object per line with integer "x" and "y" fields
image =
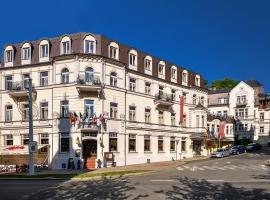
{"x": 218, "y": 38}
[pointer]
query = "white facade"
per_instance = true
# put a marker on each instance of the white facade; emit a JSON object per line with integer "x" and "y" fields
{"x": 106, "y": 88}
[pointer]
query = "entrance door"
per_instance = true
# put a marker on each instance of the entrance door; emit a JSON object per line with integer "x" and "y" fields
{"x": 197, "y": 147}
{"x": 90, "y": 153}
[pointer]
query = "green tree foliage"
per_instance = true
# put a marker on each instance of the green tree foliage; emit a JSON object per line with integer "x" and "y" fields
{"x": 225, "y": 83}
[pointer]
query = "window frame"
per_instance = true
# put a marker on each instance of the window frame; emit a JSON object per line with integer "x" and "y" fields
{"x": 9, "y": 113}
{"x": 113, "y": 141}
{"x": 64, "y": 136}
{"x": 147, "y": 143}
{"x": 44, "y": 110}
{"x": 132, "y": 138}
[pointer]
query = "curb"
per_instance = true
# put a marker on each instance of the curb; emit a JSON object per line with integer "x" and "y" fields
{"x": 35, "y": 179}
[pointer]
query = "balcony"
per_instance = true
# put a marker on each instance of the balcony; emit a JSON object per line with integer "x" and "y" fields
{"x": 88, "y": 85}
{"x": 89, "y": 126}
{"x": 241, "y": 103}
{"x": 19, "y": 91}
{"x": 163, "y": 99}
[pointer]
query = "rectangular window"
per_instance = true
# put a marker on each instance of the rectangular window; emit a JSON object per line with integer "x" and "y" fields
{"x": 160, "y": 117}
{"x": 113, "y": 142}
{"x": 44, "y": 50}
{"x": 89, "y": 46}
{"x": 261, "y": 129}
{"x": 132, "y": 84}
{"x": 183, "y": 145}
{"x": 44, "y": 139}
{"x": 113, "y": 110}
{"x": 132, "y": 59}
{"x": 66, "y": 47}
{"x": 64, "y": 142}
{"x": 147, "y": 88}
{"x": 225, "y": 113}
{"x": 9, "y": 56}
{"x": 173, "y": 119}
{"x": 132, "y": 113}
{"x": 147, "y": 64}
{"x": 25, "y": 112}
{"x": 44, "y": 78}
{"x": 44, "y": 110}
{"x": 147, "y": 115}
{"x": 197, "y": 121}
{"x": 25, "y": 139}
{"x": 202, "y": 120}
{"x": 161, "y": 69}
{"x": 8, "y": 82}
{"x": 173, "y": 95}
{"x": 26, "y": 53}
{"x": 9, "y": 139}
{"x": 89, "y": 107}
{"x": 261, "y": 116}
{"x": 26, "y": 80}
{"x": 172, "y": 144}
{"x": 64, "y": 109}
{"x": 113, "y": 51}
{"x": 147, "y": 143}
{"x": 9, "y": 113}
{"x": 132, "y": 143}
{"x": 160, "y": 143}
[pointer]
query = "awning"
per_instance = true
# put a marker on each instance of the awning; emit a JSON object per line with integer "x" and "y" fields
{"x": 17, "y": 149}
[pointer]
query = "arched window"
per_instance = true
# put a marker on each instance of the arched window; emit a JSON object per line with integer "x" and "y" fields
{"x": 184, "y": 77}
{"x": 89, "y": 75}
{"x": 173, "y": 73}
{"x": 26, "y": 52}
{"x": 44, "y": 51}
{"x": 89, "y": 44}
{"x": 113, "y": 79}
{"x": 114, "y": 51}
{"x": 133, "y": 57}
{"x": 194, "y": 100}
{"x": 202, "y": 101}
{"x": 197, "y": 80}
{"x": 65, "y": 45}
{"x": 65, "y": 75}
{"x": 9, "y": 56}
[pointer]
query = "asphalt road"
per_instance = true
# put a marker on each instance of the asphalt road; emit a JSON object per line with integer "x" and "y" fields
{"x": 236, "y": 177}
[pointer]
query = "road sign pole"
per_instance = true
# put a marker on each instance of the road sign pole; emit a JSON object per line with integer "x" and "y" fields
{"x": 31, "y": 154}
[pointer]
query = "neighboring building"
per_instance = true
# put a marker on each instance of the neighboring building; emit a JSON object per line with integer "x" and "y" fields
{"x": 94, "y": 95}
{"x": 245, "y": 103}
{"x": 221, "y": 132}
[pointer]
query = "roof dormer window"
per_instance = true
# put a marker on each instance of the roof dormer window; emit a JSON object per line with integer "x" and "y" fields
{"x": 26, "y": 53}
{"x": 185, "y": 77}
{"x": 197, "y": 80}
{"x": 161, "y": 69}
{"x": 133, "y": 59}
{"x": 44, "y": 50}
{"x": 89, "y": 44}
{"x": 9, "y": 56}
{"x": 65, "y": 45}
{"x": 148, "y": 65}
{"x": 114, "y": 51}
{"x": 174, "y": 74}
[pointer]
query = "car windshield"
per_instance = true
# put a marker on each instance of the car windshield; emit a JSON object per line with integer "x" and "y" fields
{"x": 220, "y": 150}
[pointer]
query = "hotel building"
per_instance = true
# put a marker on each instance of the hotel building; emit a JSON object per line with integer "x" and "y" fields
{"x": 99, "y": 101}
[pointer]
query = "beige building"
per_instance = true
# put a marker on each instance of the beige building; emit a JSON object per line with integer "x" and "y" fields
{"x": 99, "y": 101}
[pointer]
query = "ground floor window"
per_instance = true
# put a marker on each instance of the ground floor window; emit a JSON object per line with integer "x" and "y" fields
{"x": 9, "y": 139}
{"x": 64, "y": 142}
{"x": 25, "y": 139}
{"x": 183, "y": 145}
{"x": 132, "y": 142}
{"x": 44, "y": 139}
{"x": 160, "y": 143}
{"x": 172, "y": 144}
{"x": 261, "y": 129}
{"x": 147, "y": 143}
{"x": 112, "y": 142}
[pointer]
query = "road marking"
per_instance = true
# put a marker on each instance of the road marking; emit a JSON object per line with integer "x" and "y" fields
{"x": 210, "y": 168}
{"x": 221, "y": 168}
{"x": 229, "y": 167}
{"x": 180, "y": 168}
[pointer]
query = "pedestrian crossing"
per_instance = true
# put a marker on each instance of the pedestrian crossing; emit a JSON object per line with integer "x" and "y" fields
{"x": 223, "y": 168}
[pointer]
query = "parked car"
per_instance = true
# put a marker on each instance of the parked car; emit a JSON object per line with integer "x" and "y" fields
{"x": 253, "y": 147}
{"x": 238, "y": 149}
{"x": 220, "y": 153}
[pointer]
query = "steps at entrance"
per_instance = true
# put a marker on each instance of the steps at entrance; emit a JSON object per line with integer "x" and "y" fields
{"x": 90, "y": 163}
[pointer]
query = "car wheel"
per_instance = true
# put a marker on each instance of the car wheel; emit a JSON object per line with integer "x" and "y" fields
{"x": 237, "y": 152}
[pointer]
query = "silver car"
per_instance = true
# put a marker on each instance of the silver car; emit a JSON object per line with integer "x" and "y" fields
{"x": 220, "y": 153}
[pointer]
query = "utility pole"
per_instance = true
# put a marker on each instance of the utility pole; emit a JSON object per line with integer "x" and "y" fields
{"x": 31, "y": 153}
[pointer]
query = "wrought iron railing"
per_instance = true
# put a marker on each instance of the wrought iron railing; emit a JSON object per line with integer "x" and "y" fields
{"x": 91, "y": 80}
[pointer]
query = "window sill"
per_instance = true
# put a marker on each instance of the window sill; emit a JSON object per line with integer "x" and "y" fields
{"x": 133, "y": 152}
{"x": 161, "y": 152}
{"x": 173, "y": 151}
{"x": 148, "y": 152}
{"x": 114, "y": 152}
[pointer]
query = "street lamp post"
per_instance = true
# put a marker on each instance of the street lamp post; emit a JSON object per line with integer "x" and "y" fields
{"x": 31, "y": 153}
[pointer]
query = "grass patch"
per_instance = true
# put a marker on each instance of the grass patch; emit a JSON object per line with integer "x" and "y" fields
{"x": 76, "y": 175}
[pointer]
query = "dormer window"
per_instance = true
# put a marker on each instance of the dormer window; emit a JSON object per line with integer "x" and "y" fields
{"x": 89, "y": 44}
{"x": 44, "y": 50}
{"x": 65, "y": 45}
{"x": 114, "y": 50}
{"x": 197, "y": 80}
{"x": 133, "y": 59}
{"x": 148, "y": 65}
{"x": 26, "y": 53}
{"x": 184, "y": 77}
{"x": 174, "y": 74}
{"x": 161, "y": 69}
{"x": 9, "y": 56}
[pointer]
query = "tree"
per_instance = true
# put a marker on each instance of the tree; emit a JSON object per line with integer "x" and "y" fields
{"x": 225, "y": 83}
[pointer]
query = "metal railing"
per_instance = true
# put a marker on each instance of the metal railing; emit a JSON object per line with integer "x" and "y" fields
{"x": 164, "y": 97}
{"x": 92, "y": 80}
{"x": 17, "y": 86}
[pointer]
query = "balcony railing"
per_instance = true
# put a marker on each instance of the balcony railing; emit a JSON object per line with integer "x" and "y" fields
{"x": 19, "y": 90}
{"x": 163, "y": 99}
{"x": 88, "y": 84}
{"x": 241, "y": 103}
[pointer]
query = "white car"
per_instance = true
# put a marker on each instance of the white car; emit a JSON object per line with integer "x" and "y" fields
{"x": 220, "y": 153}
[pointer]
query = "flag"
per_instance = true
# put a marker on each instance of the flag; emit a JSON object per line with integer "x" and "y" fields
{"x": 221, "y": 132}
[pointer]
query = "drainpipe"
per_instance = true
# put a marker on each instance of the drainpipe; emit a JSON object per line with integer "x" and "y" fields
{"x": 125, "y": 131}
